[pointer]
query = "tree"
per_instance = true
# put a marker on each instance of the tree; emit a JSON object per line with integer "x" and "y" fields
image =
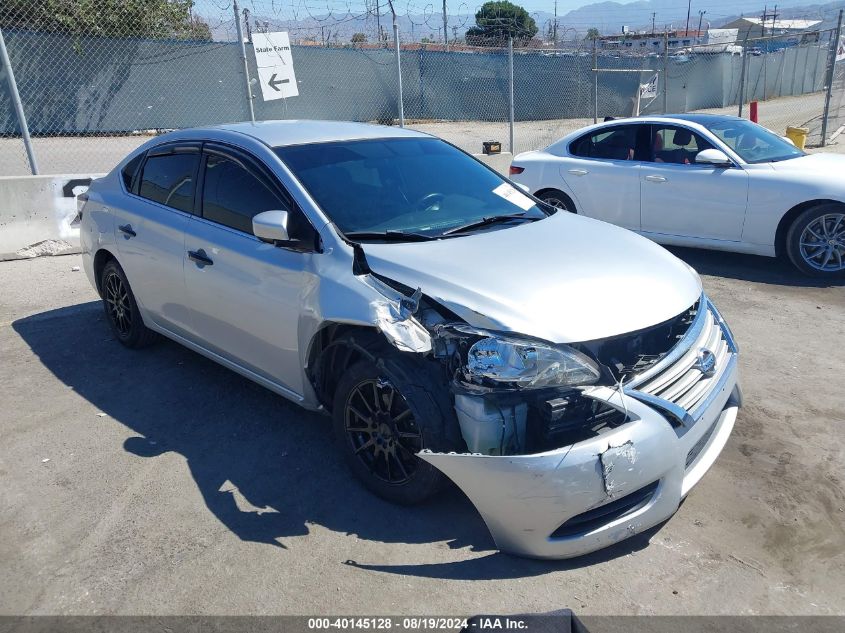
{"x": 358, "y": 38}
{"x": 159, "y": 19}
{"x": 497, "y": 21}
{"x": 592, "y": 34}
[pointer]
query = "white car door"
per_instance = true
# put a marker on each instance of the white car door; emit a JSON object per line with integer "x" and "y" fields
{"x": 602, "y": 170}
{"x": 681, "y": 198}
{"x": 150, "y": 232}
{"x": 245, "y": 294}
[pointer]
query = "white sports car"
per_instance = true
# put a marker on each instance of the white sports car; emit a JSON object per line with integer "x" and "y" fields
{"x": 699, "y": 180}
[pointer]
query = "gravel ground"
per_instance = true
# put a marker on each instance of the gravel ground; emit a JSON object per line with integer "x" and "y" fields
{"x": 157, "y": 482}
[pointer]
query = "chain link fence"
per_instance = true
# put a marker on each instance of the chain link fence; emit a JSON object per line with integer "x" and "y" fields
{"x": 91, "y": 97}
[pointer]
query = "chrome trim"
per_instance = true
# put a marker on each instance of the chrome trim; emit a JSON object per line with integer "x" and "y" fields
{"x": 679, "y": 349}
{"x": 684, "y": 417}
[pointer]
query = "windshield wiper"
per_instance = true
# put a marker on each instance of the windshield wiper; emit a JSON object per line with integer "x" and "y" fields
{"x": 493, "y": 219}
{"x": 389, "y": 236}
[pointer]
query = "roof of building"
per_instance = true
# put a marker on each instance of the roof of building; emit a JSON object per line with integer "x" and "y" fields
{"x": 784, "y": 25}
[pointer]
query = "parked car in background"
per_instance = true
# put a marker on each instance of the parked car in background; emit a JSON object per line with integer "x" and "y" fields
{"x": 570, "y": 376}
{"x": 699, "y": 180}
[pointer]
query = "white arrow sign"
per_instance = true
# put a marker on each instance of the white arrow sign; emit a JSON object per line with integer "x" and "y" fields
{"x": 275, "y": 65}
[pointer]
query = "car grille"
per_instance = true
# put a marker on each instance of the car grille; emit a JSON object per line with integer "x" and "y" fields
{"x": 602, "y": 515}
{"x": 681, "y": 385}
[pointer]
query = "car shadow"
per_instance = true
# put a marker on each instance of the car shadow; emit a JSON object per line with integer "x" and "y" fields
{"x": 266, "y": 468}
{"x": 766, "y": 270}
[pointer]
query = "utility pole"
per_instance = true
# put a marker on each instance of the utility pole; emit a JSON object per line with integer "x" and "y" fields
{"x": 554, "y": 26}
{"x": 774, "y": 15}
{"x": 445, "y": 28}
{"x": 700, "y": 17}
{"x": 689, "y": 6}
{"x": 246, "y": 24}
{"x": 653, "y": 16}
{"x": 378, "y": 23}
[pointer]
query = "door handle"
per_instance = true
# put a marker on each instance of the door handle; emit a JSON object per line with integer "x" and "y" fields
{"x": 200, "y": 258}
{"x": 578, "y": 172}
{"x": 655, "y": 178}
{"x": 126, "y": 229}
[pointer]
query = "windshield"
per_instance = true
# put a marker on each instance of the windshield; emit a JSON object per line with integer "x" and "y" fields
{"x": 753, "y": 143}
{"x": 420, "y": 186}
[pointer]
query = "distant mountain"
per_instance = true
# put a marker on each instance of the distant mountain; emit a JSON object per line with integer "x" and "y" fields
{"x": 607, "y": 17}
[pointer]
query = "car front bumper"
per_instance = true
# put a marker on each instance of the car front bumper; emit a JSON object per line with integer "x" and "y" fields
{"x": 581, "y": 498}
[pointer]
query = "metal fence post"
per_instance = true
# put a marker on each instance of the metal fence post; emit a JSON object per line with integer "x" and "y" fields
{"x": 510, "y": 93}
{"x": 665, "y": 73}
{"x": 830, "y": 76}
{"x": 398, "y": 72}
{"x": 240, "y": 33}
{"x": 595, "y": 82}
{"x": 16, "y": 100}
{"x": 742, "y": 73}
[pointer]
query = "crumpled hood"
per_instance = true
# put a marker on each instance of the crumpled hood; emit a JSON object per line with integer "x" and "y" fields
{"x": 563, "y": 279}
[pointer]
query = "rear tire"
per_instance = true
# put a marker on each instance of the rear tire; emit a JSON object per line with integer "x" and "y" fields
{"x": 121, "y": 309}
{"x": 557, "y": 199}
{"x": 386, "y": 409}
{"x": 815, "y": 242}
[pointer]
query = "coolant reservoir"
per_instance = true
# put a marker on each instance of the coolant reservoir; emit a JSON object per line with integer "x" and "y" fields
{"x": 489, "y": 428}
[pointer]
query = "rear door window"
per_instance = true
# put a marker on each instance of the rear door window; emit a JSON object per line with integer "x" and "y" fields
{"x": 615, "y": 143}
{"x": 169, "y": 179}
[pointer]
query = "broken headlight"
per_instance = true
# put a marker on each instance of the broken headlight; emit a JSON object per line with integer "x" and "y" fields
{"x": 528, "y": 364}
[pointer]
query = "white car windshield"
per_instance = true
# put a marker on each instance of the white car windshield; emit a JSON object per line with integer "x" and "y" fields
{"x": 753, "y": 143}
{"x": 400, "y": 186}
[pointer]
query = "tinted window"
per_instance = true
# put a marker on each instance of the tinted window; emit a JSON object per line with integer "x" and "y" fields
{"x": 169, "y": 180}
{"x": 417, "y": 185}
{"x": 232, "y": 196}
{"x": 615, "y": 143}
{"x": 128, "y": 172}
{"x": 677, "y": 145}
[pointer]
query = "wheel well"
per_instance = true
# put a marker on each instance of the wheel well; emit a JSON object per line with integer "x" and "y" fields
{"x": 568, "y": 199}
{"x": 100, "y": 260}
{"x": 335, "y": 348}
{"x": 789, "y": 217}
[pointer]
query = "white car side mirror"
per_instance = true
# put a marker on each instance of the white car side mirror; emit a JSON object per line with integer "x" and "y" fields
{"x": 271, "y": 226}
{"x": 714, "y": 157}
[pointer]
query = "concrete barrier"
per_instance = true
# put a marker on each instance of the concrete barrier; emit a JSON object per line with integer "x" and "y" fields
{"x": 36, "y": 213}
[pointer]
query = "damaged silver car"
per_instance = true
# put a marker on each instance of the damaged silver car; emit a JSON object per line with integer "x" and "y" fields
{"x": 568, "y": 375}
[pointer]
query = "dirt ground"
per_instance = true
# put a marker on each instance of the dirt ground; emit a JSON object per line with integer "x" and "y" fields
{"x": 91, "y": 155}
{"x": 157, "y": 482}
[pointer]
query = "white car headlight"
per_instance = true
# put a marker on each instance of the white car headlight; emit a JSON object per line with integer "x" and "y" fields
{"x": 531, "y": 365}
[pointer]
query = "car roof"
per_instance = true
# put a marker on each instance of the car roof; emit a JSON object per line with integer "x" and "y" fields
{"x": 299, "y": 132}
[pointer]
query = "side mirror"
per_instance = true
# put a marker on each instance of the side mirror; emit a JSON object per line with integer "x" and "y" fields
{"x": 714, "y": 157}
{"x": 271, "y": 226}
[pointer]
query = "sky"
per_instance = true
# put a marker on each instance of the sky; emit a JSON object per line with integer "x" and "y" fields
{"x": 292, "y": 9}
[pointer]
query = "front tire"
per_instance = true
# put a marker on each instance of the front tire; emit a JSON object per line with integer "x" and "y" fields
{"x": 557, "y": 199}
{"x": 121, "y": 309}
{"x": 385, "y": 411}
{"x": 815, "y": 243}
